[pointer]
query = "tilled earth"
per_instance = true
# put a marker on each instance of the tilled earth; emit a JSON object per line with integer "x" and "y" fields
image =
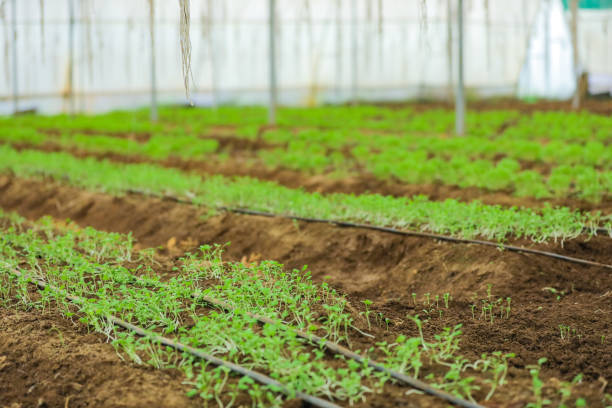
{"x": 45, "y": 359}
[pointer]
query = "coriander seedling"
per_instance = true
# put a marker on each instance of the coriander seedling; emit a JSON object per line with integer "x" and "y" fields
{"x": 367, "y": 312}
{"x": 446, "y": 299}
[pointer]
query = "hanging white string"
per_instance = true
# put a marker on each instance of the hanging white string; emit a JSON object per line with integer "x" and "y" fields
{"x": 185, "y": 40}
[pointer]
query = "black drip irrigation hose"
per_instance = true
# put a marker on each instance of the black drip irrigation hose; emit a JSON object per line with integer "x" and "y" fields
{"x": 338, "y": 349}
{"x": 260, "y": 378}
{"x": 346, "y": 224}
{"x": 446, "y": 238}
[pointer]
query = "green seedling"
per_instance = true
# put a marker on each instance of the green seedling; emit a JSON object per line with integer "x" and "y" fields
{"x": 447, "y": 217}
{"x": 59, "y": 334}
{"x": 367, "y": 303}
{"x": 100, "y": 267}
{"x": 296, "y": 225}
{"x": 559, "y": 294}
{"x": 419, "y": 325}
{"x": 567, "y": 332}
{"x": 537, "y": 385}
{"x": 447, "y": 298}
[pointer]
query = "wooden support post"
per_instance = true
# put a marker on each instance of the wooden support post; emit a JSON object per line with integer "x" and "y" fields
{"x": 272, "y": 62}
{"x": 154, "y": 114}
{"x": 460, "y": 94}
{"x": 576, "y": 100}
{"x": 15, "y": 69}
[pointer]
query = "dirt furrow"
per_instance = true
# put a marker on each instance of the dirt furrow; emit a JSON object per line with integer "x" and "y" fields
{"x": 361, "y": 183}
{"x": 384, "y": 268}
{"x": 48, "y": 361}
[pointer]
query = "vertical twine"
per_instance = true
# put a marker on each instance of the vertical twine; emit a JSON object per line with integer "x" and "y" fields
{"x": 185, "y": 40}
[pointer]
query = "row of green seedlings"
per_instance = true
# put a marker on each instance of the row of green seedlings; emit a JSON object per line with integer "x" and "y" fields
{"x": 419, "y": 167}
{"x": 31, "y": 129}
{"x": 450, "y": 217}
{"x": 248, "y": 120}
{"x": 497, "y": 361}
{"x": 362, "y": 144}
{"x": 412, "y": 166}
{"x": 173, "y": 323}
{"x": 89, "y": 264}
{"x": 157, "y": 147}
{"x": 490, "y": 308}
{"x": 567, "y": 332}
{"x": 499, "y": 124}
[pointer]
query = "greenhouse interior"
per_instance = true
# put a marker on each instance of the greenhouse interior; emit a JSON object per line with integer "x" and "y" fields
{"x": 306, "y": 203}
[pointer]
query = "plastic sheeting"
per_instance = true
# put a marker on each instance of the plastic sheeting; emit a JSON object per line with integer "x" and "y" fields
{"x": 549, "y": 67}
{"x": 393, "y": 49}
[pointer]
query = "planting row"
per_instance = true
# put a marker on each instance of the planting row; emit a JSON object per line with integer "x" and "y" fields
{"x": 574, "y": 126}
{"x": 591, "y": 153}
{"x": 567, "y": 126}
{"x": 386, "y": 158}
{"x": 451, "y": 217}
{"x": 572, "y": 169}
{"x": 384, "y": 161}
{"x": 111, "y": 279}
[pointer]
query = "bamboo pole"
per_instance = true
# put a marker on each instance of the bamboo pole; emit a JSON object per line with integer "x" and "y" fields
{"x": 547, "y": 45}
{"x": 15, "y": 76}
{"x": 460, "y": 94}
{"x": 354, "y": 53}
{"x": 71, "y": 24}
{"x": 272, "y": 62}
{"x": 338, "y": 50}
{"x": 574, "y": 29}
{"x": 154, "y": 114}
{"x": 449, "y": 47}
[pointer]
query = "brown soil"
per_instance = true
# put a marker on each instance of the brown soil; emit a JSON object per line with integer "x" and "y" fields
{"x": 602, "y": 106}
{"x": 62, "y": 365}
{"x": 386, "y": 269}
{"x": 140, "y": 137}
{"x": 68, "y": 360}
{"x": 48, "y": 361}
{"x": 361, "y": 183}
{"x": 227, "y": 142}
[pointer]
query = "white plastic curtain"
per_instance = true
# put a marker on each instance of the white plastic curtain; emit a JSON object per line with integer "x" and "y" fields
{"x": 549, "y": 68}
{"x": 402, "y": 50}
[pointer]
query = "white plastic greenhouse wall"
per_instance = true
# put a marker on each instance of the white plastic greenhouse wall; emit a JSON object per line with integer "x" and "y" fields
{"x": 328, "y": 50}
